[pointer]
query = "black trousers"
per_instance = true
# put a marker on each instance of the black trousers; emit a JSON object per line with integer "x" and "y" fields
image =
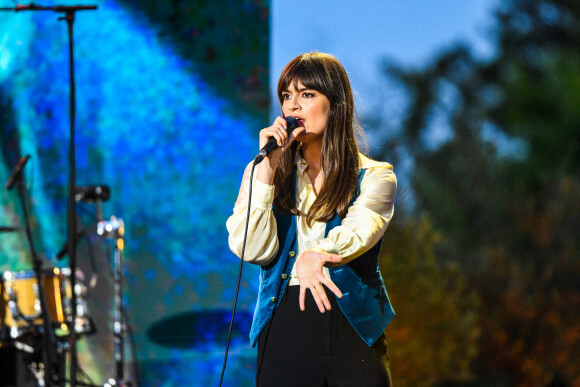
{"x": 317, "y": 349}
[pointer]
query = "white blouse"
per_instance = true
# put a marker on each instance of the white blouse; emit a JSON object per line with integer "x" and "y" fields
{"x": 364, "y": 224}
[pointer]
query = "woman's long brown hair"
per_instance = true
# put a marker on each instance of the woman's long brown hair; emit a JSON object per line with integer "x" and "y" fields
{"x": 340, "y": 160}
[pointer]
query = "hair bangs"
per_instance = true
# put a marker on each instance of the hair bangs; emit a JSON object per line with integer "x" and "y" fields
{"x": 310, "y": 73}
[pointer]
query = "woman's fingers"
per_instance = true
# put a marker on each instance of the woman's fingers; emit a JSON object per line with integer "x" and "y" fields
{"x": 277, "y": 132}
{"x": 332, "y": 258}
{"x": 316, "y": 295}
{"x": 281, "y": 122}
{"x": 309, "y": 268}
{"x": 322, "y": 297}
{"x": 302, "y": 297}
{"x": 318, "y": 301}
{"x": 281, "y": 129}
{"x": 333, "y": 288}
{"x": 295, "y": 133}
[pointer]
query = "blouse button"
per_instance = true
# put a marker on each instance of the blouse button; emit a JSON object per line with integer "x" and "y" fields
{"x": 273, "y": 299}
{"x": 292, "y": 253}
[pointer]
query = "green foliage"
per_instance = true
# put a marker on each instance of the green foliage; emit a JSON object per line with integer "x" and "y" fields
{"x": 542, "y": 108}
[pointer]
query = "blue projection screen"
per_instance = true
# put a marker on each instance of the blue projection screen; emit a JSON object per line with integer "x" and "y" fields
{"x": 170, "y": 97}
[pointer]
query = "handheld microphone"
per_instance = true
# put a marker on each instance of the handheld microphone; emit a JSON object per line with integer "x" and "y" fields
{"x": 272, "y": 144}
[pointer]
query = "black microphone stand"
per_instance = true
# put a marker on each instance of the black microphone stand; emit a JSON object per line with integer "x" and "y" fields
{"x": 70, "y": 12}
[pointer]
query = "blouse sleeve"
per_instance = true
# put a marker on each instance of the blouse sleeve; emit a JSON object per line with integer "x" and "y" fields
{"x": 262, "y": 241}
{"x": 367, "y": 219}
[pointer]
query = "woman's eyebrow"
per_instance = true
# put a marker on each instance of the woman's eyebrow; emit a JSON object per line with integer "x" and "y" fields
{"x": 301, "y": 89}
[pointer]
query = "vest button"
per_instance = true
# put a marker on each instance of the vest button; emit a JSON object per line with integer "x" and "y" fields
{"x": 284, "y": 276}
{"x": 292, "y": 253}
{"x": 273, "y": 299}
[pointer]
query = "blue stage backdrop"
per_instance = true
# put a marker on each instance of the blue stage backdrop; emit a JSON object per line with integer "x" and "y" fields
{"x": 170, "y": 97}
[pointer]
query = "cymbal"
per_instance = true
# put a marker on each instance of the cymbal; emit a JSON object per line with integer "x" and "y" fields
{"x": 201, "y": 328}
{"x": 8, "y": 228}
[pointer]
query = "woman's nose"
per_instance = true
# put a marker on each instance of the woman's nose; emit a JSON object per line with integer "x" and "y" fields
{"x": 294, "y": 104}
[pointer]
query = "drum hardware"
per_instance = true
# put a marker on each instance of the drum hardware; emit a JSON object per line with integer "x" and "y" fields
{"x": 21, "y": 313}
{"x": 8, "y": 228}
{"x": 96, "y": 194}
{"x": 17, "y": 315}
{"x": 64, "y": 249}
{"x": 16, "y": 312}
{"x": 92, "y": 193}
{"x": 115, "y": 230}
{"x": 37, "y": 369}
{"x": 29, "y": 316}
{"x": 16, "y": 357}
{"x": 23, "y": 347}
{"x": 48, "y": 339}
{"x": 31, "y": 364}
{"x": 16, "y": 176}
{"x": 83, "y": 323}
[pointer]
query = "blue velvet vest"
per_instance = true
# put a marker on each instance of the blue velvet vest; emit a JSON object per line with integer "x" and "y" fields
{"x": 364, "y": 301}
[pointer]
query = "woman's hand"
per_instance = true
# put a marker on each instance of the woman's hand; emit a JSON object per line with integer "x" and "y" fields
{"x": 278, "y": 130}
{"x": 309, "y": 269}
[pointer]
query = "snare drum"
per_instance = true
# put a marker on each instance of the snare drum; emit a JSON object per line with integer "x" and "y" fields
{"x": 20, "y": 301}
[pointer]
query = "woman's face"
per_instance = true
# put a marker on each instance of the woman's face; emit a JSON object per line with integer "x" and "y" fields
{"x": 310, "y": 107}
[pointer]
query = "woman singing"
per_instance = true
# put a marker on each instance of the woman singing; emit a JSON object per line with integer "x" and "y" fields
{"x": 318, "y": 212}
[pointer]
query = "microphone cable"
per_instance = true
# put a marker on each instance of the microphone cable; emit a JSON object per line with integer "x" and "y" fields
{"x": 291, "y": 122}
{"x": 239, "y": 274}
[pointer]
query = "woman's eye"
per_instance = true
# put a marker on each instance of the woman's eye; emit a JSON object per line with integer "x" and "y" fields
{"x": 285, "y": 96}
{"x": 308, "y": 95}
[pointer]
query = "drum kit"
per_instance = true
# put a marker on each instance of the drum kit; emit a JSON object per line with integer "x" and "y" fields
{"x": 20, "y": 310}
{"x": 21, "y": 321}
{"x": 24, "y": 339}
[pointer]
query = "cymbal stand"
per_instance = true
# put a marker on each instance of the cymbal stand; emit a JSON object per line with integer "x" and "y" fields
{"x": 115, "y": 230}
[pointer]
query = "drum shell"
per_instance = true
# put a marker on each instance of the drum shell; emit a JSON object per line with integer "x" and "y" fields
{"x": 23, "y": 284}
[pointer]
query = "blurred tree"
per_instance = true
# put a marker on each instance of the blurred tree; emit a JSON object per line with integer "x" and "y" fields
{"x": 434, "y": 336}
{"x": 502, "y": 191}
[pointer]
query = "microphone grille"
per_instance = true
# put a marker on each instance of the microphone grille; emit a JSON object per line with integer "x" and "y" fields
{"x": 292, "y": 122}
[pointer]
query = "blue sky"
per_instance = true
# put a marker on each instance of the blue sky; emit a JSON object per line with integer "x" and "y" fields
{"x": 362, "y": 33}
